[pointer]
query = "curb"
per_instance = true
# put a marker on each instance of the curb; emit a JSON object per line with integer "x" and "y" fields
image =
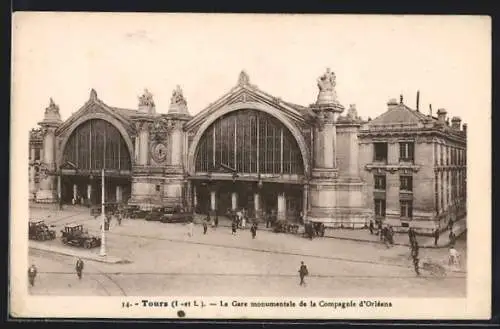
{"x": 355, "y": 239}
{"x": 96, "y": 258}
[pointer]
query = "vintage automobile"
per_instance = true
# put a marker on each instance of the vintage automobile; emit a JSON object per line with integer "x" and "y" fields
{"x": 156, "y": 213}
{"x": 109, "y": 208}
{"x": 134, "y": 212}
{"x": 74, "y": 235}
{"x": 282, "y": 226}
{"x": 176, "y": 215}
{"x": 38, "y": 230}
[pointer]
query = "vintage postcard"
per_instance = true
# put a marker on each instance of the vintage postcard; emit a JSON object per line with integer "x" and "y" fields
{"x": 230, "y": 166}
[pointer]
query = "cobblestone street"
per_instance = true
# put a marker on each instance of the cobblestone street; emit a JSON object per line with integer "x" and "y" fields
{"x": 164, "y": 260}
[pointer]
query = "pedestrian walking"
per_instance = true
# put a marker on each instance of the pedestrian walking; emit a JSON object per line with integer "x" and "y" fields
{"x": 32, "y": 271}
{"x": 79, "y": 268}
{"x": 303, "y": 272}
{"x": 205, "y": 227}
{"x": 436, "y": 236}
{"x": 452, "y": 238}
{"x": 234, "y": 225}
{"x": 253, "y": 229}
{"x": 119, "y": 218}
{"x": 414, "y": 255}
{"x": 371, "y": 227}
{"x": 244, "y": 220}
{"x": 216, "y": 220}
{"x": 190, "y": 228}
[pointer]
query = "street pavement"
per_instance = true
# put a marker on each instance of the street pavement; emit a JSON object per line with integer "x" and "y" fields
{"x": 164, "y": 260}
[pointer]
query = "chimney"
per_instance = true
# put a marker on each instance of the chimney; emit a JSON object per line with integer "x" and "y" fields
{"x": 455, "y": 123}
{"x": 392, "y": 104}
{"x": 430, "y": 110}
{"x": 418, "y": 99}
{"x": 464, "y": 128}
{"x": 442, "y": 115}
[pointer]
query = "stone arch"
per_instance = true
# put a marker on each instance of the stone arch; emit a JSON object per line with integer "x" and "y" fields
{"x": 191, "y": 156}
{"x": 91, "y": 116}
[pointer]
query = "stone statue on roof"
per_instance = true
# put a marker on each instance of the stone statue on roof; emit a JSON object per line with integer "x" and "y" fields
{"x": 52, "y": 108}
{"x": 327, "y": 81}
{"x": 177, "y": 96}
{"x": 146, "y": 99}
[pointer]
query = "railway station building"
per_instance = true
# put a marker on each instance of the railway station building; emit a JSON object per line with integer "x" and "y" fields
{"x": 249, "y": 149}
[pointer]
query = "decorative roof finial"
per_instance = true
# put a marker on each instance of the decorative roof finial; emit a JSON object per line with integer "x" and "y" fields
{"x": 401, "y": 99}
{"x": 93, "y": 94}
{"x": 243, "y": 79}
{"x": 178, "y": 104}
{"x": 146, "y": 99}
{"x": 326, "y": 84}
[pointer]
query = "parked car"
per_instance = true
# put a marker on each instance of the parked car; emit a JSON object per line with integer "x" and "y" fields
{"x": 109, "y": 208}
{"x": 135, "y": 212}
{"x": 176, "y": 215}
{"x": 38, "y": 230}
{"x": 156, "y": 213}
{"x": 75, "y": 235}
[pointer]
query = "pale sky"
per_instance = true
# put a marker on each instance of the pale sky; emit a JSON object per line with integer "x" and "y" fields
{"x": 64, "y": 55}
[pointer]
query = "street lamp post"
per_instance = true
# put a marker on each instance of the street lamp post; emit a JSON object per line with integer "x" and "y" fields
{"x": 103, "y": 217}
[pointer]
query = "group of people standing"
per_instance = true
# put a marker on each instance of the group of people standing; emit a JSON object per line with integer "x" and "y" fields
{"x": 33, "y": 271}
{"x": 385, "y": 232}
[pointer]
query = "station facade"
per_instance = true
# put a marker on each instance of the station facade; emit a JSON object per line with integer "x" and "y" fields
{"x": 249, "y": 149}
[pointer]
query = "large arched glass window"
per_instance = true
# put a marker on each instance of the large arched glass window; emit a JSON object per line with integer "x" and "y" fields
{"x": 97, "y": 144}
{"x": 249, "y": 141}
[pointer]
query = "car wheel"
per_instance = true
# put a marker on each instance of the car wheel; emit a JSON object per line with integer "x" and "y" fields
{"x": 87, "y": 245}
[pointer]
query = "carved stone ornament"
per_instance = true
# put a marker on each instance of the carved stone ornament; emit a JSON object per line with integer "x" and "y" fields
{"x": 160, "y": 129}
{"x": 326, "y": 84}
{"x": 352, "y": 112}
{"x": 177, "y": 96}
{"x": 146, "y": 99}
{"x": 327, "y": 81}
{"x": 159, "y": 152}
{"x": 93, "y": 94}
{"x": 243, "y": 79}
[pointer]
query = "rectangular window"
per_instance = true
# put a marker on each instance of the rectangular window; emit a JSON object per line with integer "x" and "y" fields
{"x": 406, "y": 208}
{"x": 37, "y": 154}
{"x": 406, "y": 183}
{"x": 380, "y": 152}
{"x": 406, "y": 151}
{"x": 379, "y": 182}
{"x": 379, "y": 207}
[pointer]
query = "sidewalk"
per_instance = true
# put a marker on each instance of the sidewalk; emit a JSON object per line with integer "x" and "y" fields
{"x": 81, "y": 253}
{"x": 363, "y": 235}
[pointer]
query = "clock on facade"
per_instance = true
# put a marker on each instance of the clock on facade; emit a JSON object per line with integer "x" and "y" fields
{"x": 159, "y": 152}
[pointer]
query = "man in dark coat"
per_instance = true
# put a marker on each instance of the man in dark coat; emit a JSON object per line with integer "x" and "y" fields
{"x": 414, "y": 255}
{"x": 234, "y": 225}
{"x": 371, "y": 227}
{"x": 303, "y": 272}
{"x": 452, "y": 238}
{"x": 79, "y": 268}
{"x": 205, "y": 226}
{"x": 32, "y": 271}
{"x": 253, "y": 229}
